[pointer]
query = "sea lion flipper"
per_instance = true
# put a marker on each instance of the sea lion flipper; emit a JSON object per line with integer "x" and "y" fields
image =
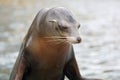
{"x": 71, "y": 70}
{"x": 20, "y": 65}
{"x": 19, "y": 70}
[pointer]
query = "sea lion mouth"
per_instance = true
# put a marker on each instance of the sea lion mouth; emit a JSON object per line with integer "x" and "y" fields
{"x": 72, "y": 40}
{"x": 56, "y": 38}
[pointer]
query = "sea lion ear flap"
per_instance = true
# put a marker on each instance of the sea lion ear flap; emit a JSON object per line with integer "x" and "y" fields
{"x": 53, "y": 21}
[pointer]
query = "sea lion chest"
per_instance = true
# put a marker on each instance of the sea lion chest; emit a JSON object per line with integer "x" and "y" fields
{"x": 47, "y": 60}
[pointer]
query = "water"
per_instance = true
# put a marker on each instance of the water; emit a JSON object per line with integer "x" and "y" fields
{"x": 98, "y": 54}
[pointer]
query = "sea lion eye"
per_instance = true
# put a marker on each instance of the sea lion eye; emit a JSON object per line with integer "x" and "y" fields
{"x": 56, "y": 28}
{"x": 63, "y": 28}
{"x": 78, "y": 26}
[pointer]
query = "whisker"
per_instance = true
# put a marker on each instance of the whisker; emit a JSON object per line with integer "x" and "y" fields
{"x": 54, "y": 40}
{"x": 56, "y": 37}
{"x": 62, "y": 42}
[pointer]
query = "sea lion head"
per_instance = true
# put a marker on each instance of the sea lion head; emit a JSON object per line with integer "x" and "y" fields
{"x": 60, "y": 23}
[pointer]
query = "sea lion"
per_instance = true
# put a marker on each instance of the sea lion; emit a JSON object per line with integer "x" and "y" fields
{"x": 47, "y": 52}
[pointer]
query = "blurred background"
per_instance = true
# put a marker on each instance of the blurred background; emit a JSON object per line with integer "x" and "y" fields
{"x": 98, "y": 55}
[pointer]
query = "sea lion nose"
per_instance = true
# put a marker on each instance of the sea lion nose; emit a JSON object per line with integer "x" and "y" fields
{"x": 78, "y": 39}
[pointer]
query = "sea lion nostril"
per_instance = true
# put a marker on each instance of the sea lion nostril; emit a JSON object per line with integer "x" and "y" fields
{"x": 78, "y": 39}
